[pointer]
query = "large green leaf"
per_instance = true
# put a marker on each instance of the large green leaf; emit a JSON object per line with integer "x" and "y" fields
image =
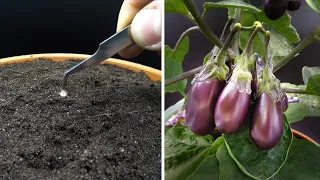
{"x": 209, "y": 167}
{"x": 302, "y": 162}
{"x": 307, "y": 106}
{"x": 182, "y": 50}
{"x": 313, "y": 86}
{"x": 311, "y": 77}
{"x": 174, "y": 68}
{"x": 282, "y": 34}
{"x": 314, "y": 4}
{"x": 282, "y": 25}
{"x": 231, "y": 4}
{"x": 173, "y": 65}
{"x": 228, "y": 169}
{"x": 256, "y": 163}
{"x": 307, "y": 72}
{"x": 184, "y": 151}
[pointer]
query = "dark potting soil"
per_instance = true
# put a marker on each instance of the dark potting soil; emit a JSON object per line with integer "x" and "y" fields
{"x": 108, "y": 127}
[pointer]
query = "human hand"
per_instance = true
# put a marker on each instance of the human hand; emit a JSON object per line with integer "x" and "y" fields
{"x": 145, "y": 18}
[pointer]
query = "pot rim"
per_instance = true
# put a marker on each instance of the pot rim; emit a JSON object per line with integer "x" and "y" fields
{"x": 302, "y": 135}
{"x": 152, "y": 73}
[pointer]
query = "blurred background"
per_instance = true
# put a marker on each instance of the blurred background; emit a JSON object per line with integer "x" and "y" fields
{"x": 303, "y": 20}
{"x": 72, "y": 26}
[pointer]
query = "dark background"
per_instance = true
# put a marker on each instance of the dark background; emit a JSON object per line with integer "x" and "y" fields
{"x": 303, "y": 20}
{"x": 69, "y": 26}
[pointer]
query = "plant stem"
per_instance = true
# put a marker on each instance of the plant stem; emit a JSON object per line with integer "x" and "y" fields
{"x": 184, "y": 34}
{"x": 266, "y": 67}
{"x": 304, "y": 43}
{"x": 235, "y": 42}
{"x": 220, "y": 57}
{"x": 295, "y": 90}
{"x": 204, "y": 27}
{"x": 317, "y": 39}
{"x": 182, "y": 76}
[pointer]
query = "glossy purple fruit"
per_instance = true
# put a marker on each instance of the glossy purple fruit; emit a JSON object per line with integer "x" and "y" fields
{"x": 231, "y": 109}
{"x": 274, "y": 9}
{"x": 294, "y": 5}
{"x": 200, "y": 105}
{"x": 266, "y": 122}
{"x": 284, "y": 103}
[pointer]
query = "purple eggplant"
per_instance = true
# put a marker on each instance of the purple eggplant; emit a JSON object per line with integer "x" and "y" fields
{"x": 274, "y": 9}
{"x": 294, "y": 5}
{"x": 267, "y": 122}
{"x": 231, "y": 109}
{"x": 200, "y": 105}
{"x": 284, "y": 103}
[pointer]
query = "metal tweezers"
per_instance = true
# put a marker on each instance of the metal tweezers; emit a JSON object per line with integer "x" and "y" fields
{"x": 107, "y": 49}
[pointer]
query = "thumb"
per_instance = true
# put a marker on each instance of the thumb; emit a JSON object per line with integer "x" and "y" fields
{"x": 146, "y": 27}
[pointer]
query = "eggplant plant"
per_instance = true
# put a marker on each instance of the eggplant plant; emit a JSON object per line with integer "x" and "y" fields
{"x": 234, "y": 122}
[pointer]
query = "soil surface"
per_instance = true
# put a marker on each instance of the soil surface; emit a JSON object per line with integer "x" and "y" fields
{"x": 108, "y": 127}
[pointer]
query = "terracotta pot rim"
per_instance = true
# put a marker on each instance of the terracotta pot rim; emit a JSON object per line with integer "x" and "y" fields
{"x": 152, "y": 73}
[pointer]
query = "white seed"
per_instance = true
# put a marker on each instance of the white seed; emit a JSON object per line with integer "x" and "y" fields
{"x": 63, "y": 93}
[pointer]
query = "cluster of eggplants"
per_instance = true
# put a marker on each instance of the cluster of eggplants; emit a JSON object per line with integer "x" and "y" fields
{"x": 212, "y": 104}
{"x": 274, "y": 9}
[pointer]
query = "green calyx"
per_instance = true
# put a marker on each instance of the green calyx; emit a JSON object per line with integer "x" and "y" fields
{"x": 214, "y": 70}
{"x": 241, "y": 76}
{"x": 217, "y": 67}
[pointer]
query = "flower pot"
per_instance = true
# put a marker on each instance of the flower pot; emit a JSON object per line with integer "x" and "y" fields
{"x": 153, "y": 74}
{"x": 100, "y": 130}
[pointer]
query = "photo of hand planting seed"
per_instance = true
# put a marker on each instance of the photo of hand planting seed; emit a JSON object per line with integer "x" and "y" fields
{"x": 242, "y": 90}
{"x": 77, "y": 116}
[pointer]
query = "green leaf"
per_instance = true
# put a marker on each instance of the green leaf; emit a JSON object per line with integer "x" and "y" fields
{"x": 313, "y": 86}
{"x": 184, "y": 151}
{"x": 173, "y": 65}
{"x": 174, "y": 68}
{"x": 307, "y": 106}
{"x": 307, "y": 72}
{"x": 302, "y": 162}
{"x": 228, "y": 169}
{"x": 208, "y": 169}
{"x": 314, "y": 4}
{"x": 282, "y": 25}
{"x": 311, "y": 77}
{"x": 282, "y": 34}
{"x": 176, "y": 6}
{"x": 256, "y": 163}
{"x": 181, "y": 51}
{"x": 231, "y": 4}
{"x": 173, "y": 110}
{"x": 167, "y": 128}
{"x": 279, "y": 47}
